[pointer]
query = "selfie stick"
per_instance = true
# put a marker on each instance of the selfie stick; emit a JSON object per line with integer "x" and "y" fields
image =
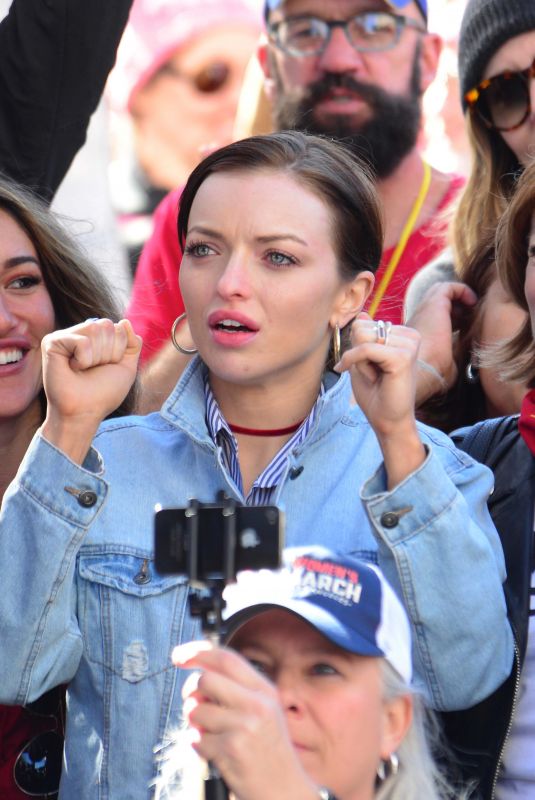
{"x": 206, "y": 601}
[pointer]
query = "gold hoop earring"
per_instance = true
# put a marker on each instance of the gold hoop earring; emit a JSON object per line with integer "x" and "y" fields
{"x": 337, "y": 348}
{"x": 177, "y": 345}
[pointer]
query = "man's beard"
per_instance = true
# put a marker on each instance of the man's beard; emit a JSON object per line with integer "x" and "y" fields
{"x": 383, "y": 140}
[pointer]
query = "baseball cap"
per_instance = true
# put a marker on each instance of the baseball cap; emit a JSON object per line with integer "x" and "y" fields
{"x": 346, "y": 600}
{"x": 395, "y": 5}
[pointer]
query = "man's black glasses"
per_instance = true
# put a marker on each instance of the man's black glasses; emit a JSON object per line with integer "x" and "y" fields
{"x": 369, "y": 32}
{"x": 503, "y": 102}
{"x": 37, "y": 769}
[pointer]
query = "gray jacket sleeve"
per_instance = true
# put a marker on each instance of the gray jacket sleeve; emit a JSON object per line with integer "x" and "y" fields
{"x": 439, "y": 270}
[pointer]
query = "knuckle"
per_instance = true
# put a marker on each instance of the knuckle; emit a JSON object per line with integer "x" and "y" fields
{"x": 234, "y": 746}
{"x": 47, "y": 341}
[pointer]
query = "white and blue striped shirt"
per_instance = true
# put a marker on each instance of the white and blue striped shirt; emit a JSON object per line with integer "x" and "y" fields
{"x": 265, "y": 484}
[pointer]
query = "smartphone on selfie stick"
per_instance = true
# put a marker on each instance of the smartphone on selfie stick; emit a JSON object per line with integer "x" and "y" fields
{"x": 209, "y": 543}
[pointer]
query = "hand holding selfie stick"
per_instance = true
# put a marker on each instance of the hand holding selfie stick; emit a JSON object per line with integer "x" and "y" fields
{"x": 209, "y": 543}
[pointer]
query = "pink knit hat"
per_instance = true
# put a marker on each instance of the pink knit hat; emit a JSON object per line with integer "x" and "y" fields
{"x": 157, "y": 28}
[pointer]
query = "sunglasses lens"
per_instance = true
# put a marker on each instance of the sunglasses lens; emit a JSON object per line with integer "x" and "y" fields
{"x": 212, "y": 78}
{"x": 37, "y": 770}
{"x": 507, "y": 101}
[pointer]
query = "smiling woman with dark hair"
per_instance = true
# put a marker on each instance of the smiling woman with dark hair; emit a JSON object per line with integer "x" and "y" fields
{"x": 45, "y": 282}
{"x": 281, "y": 234}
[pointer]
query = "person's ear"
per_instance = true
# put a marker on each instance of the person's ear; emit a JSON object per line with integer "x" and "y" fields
{"x": 352, "y": 297}
{"x": 429, "y": 57}
{"x": 398, "y": 715}
{"x": 264, "y": 57}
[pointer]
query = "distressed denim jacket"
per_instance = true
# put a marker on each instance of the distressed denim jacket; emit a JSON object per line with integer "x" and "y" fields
{"x": 81, "y": 603}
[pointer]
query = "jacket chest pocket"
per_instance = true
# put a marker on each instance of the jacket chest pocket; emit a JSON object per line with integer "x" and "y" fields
{"x": 130, "y": 616}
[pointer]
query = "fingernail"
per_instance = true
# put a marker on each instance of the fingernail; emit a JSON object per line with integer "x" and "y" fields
{"x": 183, "y": 653}
{"x": 188, "y": 706}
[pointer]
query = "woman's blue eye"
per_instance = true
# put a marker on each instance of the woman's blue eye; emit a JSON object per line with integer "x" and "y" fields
{"x": 280, "y": 259}
{"x": 198, "y": 250}
{"x": 324, "y": 669}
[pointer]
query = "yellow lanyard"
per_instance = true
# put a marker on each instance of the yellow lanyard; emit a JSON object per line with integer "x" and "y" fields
{"x": 395, "y": 258}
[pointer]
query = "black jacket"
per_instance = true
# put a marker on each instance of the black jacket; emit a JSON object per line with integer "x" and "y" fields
{"x": 55, "y": 56}
{"x": 478, "y": 735}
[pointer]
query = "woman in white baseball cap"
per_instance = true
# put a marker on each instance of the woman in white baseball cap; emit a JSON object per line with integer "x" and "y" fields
{"x": 316, "y": 700}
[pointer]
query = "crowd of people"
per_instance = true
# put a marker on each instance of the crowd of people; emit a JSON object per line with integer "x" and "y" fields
{"x": 320, "y": 322}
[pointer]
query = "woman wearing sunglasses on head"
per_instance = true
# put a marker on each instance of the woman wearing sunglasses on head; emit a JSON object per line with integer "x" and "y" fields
{"x": 311, "y": 698}
{"x": 45, "y": 282}
{"x": 281, "y": 235}
{"x": 496, "y": 72}
{"x": 173, "y": 92}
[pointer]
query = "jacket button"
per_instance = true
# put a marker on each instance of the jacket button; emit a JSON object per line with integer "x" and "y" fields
{"x": 143, "y": 576}
{"x": 295, "y": 472}
{"x": 389, "y": 519}
{"x": 87, "y": 498}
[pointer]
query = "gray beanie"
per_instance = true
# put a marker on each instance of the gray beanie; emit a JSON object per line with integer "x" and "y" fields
{"x": 486, "y": 25}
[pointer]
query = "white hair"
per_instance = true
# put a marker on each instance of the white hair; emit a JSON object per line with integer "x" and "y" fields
{"x": 418, "y": 775}
{"x": 182, "y": 771}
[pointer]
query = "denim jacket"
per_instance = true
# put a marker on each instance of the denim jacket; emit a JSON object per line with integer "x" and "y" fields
{"x": 81, "y": 603}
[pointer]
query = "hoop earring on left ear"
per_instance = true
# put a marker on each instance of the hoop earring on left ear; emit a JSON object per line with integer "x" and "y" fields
{"x": 177, "y": 345}
{"x": 388, "y": 767}
{"x": 472, "y": 373}
{"x": 337, "y": 349}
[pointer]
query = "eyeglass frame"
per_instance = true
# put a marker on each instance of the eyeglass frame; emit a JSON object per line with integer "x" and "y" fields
{"x": 55, "y": 714}
{"x": 474, "y": 95}
{"x": 401, "y": 21}
{"x": 39, "y": 795}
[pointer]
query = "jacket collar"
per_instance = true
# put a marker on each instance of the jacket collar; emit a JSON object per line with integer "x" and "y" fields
{"x": 185, "y": 407}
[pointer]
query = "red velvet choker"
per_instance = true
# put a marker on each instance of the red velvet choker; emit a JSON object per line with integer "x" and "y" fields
{"x": 263, "y": 432}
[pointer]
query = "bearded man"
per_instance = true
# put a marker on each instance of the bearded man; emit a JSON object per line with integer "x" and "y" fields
{"x": 355, "y": 70}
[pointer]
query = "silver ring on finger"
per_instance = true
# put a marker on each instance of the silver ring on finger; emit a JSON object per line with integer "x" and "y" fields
{"x": 382, "y": 330}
